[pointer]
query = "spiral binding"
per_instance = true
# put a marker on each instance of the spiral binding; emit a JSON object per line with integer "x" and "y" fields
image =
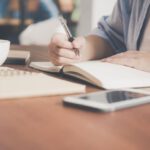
{"x": 9, "y": 72}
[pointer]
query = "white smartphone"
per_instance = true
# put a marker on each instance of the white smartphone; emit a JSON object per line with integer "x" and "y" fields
{"x": 108, "y": 101}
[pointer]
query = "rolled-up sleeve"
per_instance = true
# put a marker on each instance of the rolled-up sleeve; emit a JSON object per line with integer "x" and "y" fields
{"x": 111, "y": 29}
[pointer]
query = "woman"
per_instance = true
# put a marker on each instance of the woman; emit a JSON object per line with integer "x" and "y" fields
{"x": 121, "y": 38}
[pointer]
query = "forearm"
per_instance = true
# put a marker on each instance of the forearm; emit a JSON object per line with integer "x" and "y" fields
{"x": 96, "y": 48}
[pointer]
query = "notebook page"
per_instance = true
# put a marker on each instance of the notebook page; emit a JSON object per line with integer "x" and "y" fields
{"x": 17, "y": 83}
{"x": 114, "y": 76}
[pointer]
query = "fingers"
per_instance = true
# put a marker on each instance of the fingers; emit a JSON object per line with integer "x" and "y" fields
{"x": 60, "y": 60}
{"x": 60, "y": 40}
{"x": 129, "y": 59}
{"x": 130, "y": 54}
{"x": 136, "y": 59}
{"x": 62, "y": 51}
{"x": 124, "y": 55}
{"x": 123, "y": 61}
{"x": 64, "y": 56}
{"x": 68, "y": 53}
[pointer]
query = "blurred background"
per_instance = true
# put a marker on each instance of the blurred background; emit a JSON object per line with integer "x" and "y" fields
{"x": 18, "y": 15}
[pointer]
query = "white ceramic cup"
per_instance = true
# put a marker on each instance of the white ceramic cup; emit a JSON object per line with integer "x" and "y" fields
{"x": 4, "y": 50}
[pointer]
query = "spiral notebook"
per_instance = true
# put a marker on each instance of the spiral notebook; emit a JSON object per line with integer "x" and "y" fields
{"x": 17, "y": 83}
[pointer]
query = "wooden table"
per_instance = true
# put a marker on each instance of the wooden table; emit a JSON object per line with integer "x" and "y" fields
{"x": 43, "y": 123}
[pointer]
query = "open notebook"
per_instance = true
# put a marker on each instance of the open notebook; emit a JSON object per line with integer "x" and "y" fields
{"x": 105, "y": 75}
{"x": 16, "y": 83}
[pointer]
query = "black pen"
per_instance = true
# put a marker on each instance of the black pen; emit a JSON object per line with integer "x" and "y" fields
{"x": 70, "y": 37}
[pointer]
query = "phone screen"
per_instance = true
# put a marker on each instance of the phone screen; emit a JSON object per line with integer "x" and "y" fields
{"x": 112, "y": 96}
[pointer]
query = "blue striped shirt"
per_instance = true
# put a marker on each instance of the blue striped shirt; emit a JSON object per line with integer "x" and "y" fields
{"x": 123, "y": 29}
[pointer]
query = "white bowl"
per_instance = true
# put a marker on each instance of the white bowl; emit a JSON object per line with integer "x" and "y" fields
{"x": 4, "y": 50}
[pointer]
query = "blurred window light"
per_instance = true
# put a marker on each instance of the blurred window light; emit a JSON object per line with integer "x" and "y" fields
{"x": 90, "y": 13}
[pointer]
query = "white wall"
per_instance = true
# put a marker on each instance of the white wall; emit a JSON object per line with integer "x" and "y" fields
{"x": 91, "y": 11}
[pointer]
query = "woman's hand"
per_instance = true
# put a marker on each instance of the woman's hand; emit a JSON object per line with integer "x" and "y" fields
{"x": 136, "y": 59}
{"x": 62, "y": 51}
